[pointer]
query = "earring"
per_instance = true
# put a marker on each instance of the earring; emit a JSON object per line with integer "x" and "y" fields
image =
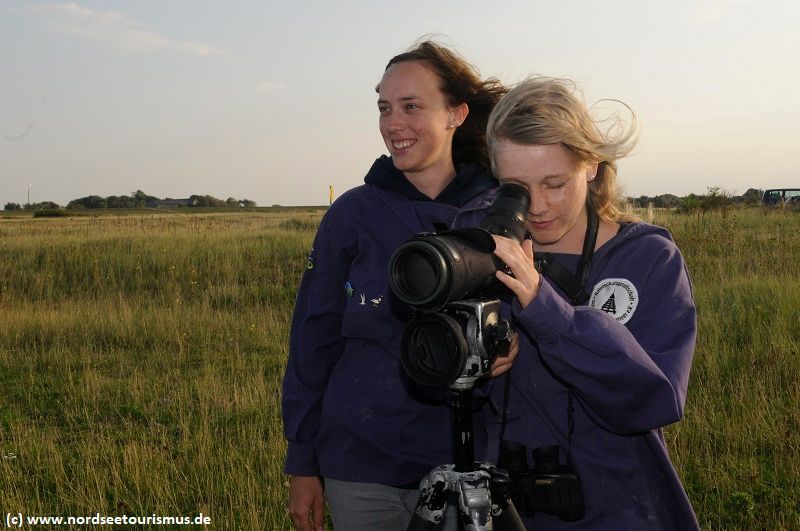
{"x": 591, "y": 179}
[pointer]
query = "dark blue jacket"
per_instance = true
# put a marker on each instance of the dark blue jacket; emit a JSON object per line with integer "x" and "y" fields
{"x": 349, "y": 411}
{"x": 626, "y": 355}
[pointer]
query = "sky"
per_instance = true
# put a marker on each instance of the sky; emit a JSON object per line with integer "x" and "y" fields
{"x": 275, "y": 101}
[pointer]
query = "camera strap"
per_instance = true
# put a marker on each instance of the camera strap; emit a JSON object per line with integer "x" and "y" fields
{"x": 574, "y": 287}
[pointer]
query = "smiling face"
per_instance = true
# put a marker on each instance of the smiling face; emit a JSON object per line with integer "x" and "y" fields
{"x": 558, "y": 188}
{"x": 416, "y": 122}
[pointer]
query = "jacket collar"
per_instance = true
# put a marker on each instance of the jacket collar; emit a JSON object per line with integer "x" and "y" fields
{"x": 470, "y": 180}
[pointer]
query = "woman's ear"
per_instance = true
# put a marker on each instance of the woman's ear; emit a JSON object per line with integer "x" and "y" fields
{"x": 591, "y": 172}
{"x": 457, "y": 115}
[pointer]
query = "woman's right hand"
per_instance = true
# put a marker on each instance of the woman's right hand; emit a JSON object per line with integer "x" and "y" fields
{"x": 502, "y": 363}
{"x": 306, "y": 503}
{"x": 519, "y": 259}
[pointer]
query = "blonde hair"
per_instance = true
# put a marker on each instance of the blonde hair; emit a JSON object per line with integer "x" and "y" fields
{"x": 542, "y": 110}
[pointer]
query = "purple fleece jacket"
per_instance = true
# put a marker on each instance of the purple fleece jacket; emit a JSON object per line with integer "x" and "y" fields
{"x": 349, "y": 411}
{"x": 626, "y": 355}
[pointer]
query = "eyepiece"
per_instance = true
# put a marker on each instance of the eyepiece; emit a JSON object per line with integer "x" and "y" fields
{"x": 509, "y": 211}
{"x": 545, "y": 460}
{"x": 512, "y": 456}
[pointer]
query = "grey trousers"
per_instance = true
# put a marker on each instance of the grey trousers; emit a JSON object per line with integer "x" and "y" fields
{"x": 374, "y": 507}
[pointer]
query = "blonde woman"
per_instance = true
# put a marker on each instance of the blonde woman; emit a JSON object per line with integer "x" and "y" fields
{"x": 604, "y": 309}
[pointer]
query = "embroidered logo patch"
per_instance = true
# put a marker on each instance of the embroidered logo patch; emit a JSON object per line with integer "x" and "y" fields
{"x": 310, "y": 260}
{"x": 617, "y": 297}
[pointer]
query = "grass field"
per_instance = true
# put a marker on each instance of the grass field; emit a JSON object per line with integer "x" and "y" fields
{"x": 141, "y": 358}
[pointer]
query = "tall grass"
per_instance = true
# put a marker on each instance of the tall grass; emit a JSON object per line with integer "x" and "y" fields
{"x": 739, "y": 448}
{"x": 141, "y": 360}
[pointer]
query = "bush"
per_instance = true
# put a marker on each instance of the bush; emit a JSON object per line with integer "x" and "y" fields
{"x": 44, "y": 205}
{"x": 688, "y": 204}
{"x": 50, "y": 213}
{"x": 717, "y": 199}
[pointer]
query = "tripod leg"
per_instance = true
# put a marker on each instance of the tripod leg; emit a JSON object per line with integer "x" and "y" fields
{"x": 504, "y": 515}
{"x": 508, "y": 519}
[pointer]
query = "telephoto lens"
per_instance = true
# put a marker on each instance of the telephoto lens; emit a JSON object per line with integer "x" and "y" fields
{"x": 430, "y": 270}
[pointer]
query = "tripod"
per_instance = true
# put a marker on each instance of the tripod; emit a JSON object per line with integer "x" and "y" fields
{"x": 482, "y": 489}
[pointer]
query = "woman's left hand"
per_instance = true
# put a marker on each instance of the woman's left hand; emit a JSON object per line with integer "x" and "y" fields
{"x": 519, "y": 259}
{"x": 503, "y": 362}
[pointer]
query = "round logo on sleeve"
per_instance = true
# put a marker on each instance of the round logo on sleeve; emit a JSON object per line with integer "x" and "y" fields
{"x": 615, "y": 296}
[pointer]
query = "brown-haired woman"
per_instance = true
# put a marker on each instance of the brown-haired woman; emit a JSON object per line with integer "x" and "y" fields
{"x": 351, "y": 416}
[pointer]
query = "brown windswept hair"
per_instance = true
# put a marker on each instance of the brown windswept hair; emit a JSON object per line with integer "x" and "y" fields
{"x": 461, "y": 83}
{"x": 542, "y": 110}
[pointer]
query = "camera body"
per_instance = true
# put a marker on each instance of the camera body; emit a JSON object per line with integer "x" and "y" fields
{"x": 456, "y": 344}
{"x": 550, "y": 488}
{"x": 455, "y": 334}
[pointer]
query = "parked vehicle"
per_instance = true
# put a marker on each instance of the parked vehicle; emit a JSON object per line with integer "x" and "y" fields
{"x": 781, "y": 196}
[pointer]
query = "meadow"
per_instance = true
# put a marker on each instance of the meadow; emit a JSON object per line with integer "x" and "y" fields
{"x": 141, "y": 358}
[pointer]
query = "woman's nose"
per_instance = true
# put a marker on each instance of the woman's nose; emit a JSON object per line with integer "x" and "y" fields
{"x": 394, "y": 122}
{"x": 538, "y": 205}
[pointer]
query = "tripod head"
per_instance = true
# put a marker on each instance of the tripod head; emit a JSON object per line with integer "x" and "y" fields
{"x": 482, "y": 494}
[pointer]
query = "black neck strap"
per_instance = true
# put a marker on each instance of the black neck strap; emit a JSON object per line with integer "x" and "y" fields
{"x": 574, "y": 287}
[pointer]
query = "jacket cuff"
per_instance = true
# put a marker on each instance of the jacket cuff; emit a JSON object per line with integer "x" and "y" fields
{"x": 301, "y": 460}
{"x": 547, "y": 315}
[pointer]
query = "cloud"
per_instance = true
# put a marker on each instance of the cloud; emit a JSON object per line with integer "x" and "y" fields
{"x": 199, "y": 48}
{"x": 267, "y": 87}
{"x": 113, "y": 30}
{"x": 20, "y": 136}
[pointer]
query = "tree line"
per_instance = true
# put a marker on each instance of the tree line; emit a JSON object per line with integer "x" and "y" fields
{"x": 137, "y": 199}
{"x": 715, "y": 198}
{"x": 715, "y": 195}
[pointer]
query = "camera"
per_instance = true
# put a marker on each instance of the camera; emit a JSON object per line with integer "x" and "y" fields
{"x": 550, "y": 487}
{"x": 454, "y": 334}
{"x": 457, "y": 343}
{"x": 434, "y": 268}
